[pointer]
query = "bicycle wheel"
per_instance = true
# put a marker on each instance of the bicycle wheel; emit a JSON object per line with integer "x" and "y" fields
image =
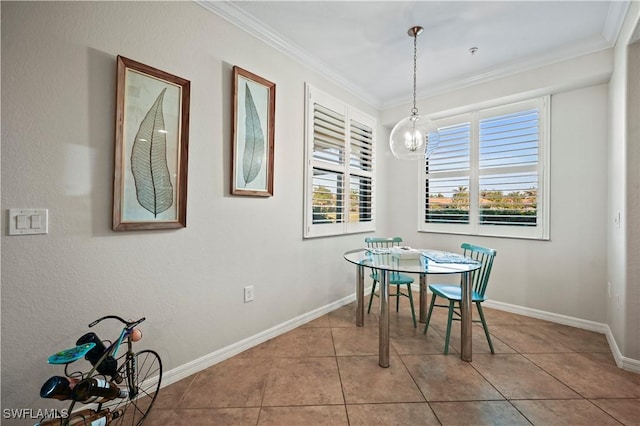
{"x": 143, "y": 372}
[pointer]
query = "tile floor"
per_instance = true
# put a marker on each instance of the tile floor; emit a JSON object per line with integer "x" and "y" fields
{"x": 326, "y": 373}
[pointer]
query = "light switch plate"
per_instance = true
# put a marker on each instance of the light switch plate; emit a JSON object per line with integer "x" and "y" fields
{"x": 28, "y": 221}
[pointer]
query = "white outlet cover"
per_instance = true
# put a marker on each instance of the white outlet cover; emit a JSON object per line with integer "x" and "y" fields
{"x": 248, "y": 294}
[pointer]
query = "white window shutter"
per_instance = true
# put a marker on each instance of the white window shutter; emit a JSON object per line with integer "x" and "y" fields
{"x": 339, "y": 167}
{"x": 489, "y": 176}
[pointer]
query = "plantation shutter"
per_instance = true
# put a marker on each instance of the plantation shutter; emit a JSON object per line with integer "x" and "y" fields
{"x": 328, "y": 165}
{"x": 360, "y": 172}
{"x": 448, "y": 174}
{"x": 490, "y": 173}
{"x": 340, "y": 165}
{"x": 508, "y": 165}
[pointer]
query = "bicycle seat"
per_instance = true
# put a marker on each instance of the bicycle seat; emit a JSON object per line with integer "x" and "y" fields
{"x": 70, "y": 355}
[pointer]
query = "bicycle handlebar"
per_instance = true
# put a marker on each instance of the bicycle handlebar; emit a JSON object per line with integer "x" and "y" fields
{"x": 128, "y": 324}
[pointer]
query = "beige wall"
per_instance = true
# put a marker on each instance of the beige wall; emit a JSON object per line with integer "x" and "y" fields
{"x": 594, "y": 151}
{"x": 567, "y": 274}
{"x": 623, "y": 305}
{"x": 632, "y": 300}
{"x": 58, "y": 120}
{"x": 58, "y": 86}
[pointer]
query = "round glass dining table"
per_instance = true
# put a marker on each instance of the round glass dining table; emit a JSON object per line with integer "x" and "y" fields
{"x": 422, "y": 262}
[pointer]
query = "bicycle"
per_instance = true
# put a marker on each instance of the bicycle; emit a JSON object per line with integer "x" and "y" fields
{"x": 116, "y": 390}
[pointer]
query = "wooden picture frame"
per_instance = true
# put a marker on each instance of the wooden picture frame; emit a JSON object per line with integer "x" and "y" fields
{"x": 151, "y": 148}
{"x": 253, "y": 134}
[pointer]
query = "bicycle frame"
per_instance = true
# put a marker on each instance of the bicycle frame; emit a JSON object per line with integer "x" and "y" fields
{"x": 142, "y": 370}
{"x": 112, "y": 350}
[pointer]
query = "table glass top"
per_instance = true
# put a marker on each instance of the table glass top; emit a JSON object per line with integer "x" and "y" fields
{"x": 420, "y": 261}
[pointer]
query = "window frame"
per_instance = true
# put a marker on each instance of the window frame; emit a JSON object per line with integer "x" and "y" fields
{"x": 315, "y": 230}
{"x": 542, "y": 229}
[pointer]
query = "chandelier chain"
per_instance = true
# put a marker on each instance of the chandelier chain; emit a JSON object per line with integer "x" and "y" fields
{"x": 414, "y": 110}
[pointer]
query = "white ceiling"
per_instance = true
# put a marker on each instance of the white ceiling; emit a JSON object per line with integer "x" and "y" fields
{"x": 364, "y": 46}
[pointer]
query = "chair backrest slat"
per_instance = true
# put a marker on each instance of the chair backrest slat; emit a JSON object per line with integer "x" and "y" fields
{"x": 485, "y": 256}
{"x": 382, "y": 242}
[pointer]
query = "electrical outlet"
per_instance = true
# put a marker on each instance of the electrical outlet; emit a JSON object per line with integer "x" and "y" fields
{"x": 609, "y": 289}
{"x": 248, "y": 294}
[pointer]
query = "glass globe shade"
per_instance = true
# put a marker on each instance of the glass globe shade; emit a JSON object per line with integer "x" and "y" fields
{"x": 414, "y": 137}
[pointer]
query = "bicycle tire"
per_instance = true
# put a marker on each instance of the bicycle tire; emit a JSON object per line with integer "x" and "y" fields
{"x": 146, "y": 378}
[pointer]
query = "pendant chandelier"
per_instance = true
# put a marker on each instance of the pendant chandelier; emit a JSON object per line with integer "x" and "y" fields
{"x": 416, "y": 136}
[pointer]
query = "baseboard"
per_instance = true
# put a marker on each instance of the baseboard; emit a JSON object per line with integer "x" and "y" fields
{"x": 623, "y": 362}
{"x": 199, "y": 364}
{"x": 548, "y": 316}
{"x": 176, "y": 374}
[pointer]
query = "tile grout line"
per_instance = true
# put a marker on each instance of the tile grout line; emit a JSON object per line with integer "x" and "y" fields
{"x": 335, "y": 353}
{"x": 426, "y": 400}
{"x": 498, "y": 390}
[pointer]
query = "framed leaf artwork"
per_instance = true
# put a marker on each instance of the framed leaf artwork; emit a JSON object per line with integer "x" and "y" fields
{"x": 254, "y": 106}
{"x": 151, "y": 152}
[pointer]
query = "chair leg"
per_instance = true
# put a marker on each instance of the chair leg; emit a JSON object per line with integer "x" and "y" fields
{"x": 426, "y": 323}
{"x": 413, "y": 312}
{"x": 484, "y": 325}
{"x": 373, "y": 290}
{"x": 397, "y": 298}
{"x": 449, "y": 320}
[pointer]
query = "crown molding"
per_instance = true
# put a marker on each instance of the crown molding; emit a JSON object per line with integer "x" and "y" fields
{"x": 555, "y": 56}
{"x": 235, "y": 15}
{"x": 615, "y": 20}
{"x": 238, "y": 17}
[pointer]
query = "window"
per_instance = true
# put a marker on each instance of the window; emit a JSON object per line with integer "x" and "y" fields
{"x": 339, "y": 167}
{"x": 489, "y": 175}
